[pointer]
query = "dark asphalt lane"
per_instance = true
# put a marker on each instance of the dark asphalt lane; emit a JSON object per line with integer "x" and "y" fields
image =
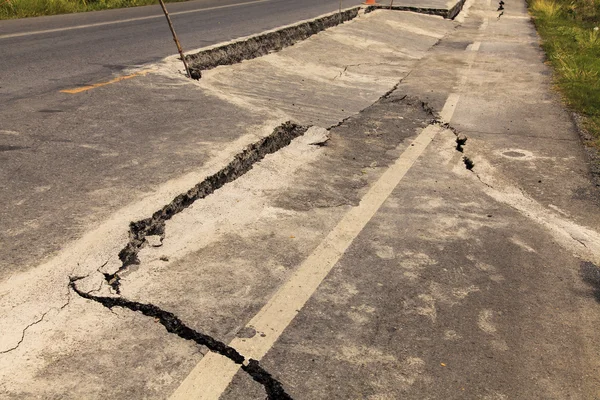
{"x": 35, "y": 63}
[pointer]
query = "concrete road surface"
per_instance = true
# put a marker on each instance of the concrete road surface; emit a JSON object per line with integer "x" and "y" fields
{"x": 432, "y": 233}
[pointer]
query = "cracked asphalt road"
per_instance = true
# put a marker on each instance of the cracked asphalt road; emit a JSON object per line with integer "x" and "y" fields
{"x": 361, "y": 261}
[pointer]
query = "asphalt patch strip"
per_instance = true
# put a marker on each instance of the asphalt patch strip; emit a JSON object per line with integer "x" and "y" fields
{"x": 243, "y": 162}
{"x": 174, "y": 325}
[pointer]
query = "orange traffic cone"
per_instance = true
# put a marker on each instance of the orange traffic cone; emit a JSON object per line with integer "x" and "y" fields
{"x": 370, "y": 2}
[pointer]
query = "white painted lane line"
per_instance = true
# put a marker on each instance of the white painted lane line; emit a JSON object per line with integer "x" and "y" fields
{"x": 210, "y": 378}
{"x": 123, "y": 21}
{"x": 452, "y": 100}
{"x": 449, "y": 107}
{"x": 484, "y": 24}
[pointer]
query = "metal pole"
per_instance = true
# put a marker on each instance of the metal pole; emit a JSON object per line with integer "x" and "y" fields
{"x": 187, "y": 70}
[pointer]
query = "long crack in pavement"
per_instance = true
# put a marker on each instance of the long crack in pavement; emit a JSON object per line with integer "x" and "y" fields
{"x": 241, "y": 164}
{"x": 172, "y": 324}
{"x": 263, "y": 44}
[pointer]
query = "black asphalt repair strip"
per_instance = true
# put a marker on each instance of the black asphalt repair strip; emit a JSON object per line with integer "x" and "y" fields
{"x": 241, "y": 164}
{"x": 174, "y": 325}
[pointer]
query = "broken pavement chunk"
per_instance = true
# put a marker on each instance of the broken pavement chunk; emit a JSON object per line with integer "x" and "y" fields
{"x": 154, "y": 240}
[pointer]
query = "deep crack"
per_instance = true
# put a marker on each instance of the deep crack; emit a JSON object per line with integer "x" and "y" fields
{"x": 446, "y": 13}
{"x": 263, "y": 44}
{"x": 419, "y": 10}
{"x": 460, "y": 143}
{"x": 173, "y": 324}
{"x": 241, "y": 164}
{"x": 469, "y": 164}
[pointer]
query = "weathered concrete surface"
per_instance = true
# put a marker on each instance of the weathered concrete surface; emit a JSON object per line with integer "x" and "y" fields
{"x": 37, "y": 309}
{"x": 457, "y": 289}
{"x": 445, "y": 294}
{"x": 513, "y": 121}
{"x": 356, "y": 62}
{"x": 464, "y": 284}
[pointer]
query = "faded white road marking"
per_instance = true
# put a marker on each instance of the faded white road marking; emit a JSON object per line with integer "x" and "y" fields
{"x": 122, "y": 21}
{"x": 452, "y": 101}
{"x": 484, "y": 25}
{"x": 210, "y": 378}
{"x": 448, "y": 110}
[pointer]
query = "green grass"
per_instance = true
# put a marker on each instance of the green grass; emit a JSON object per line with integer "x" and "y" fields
{"x": 10, "y": 9}
{"x": 570, "y": 32}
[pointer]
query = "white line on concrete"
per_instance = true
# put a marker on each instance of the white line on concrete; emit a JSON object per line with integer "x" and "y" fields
{"x": 210, "y": 378}
{"x": 484, "y": 24}
{"x": 449, "y": 107}
{"x": 122, "y": 21}
{"x": 452, "y": 100}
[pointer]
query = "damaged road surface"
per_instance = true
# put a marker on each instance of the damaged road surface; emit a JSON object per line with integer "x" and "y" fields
{"x": 394, "y": 207}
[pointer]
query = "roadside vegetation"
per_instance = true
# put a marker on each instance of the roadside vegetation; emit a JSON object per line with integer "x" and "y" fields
{"x": 10, "y": 9}
{"x": 570, "y": 32}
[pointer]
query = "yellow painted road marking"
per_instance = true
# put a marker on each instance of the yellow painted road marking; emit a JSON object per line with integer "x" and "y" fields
{"x": 210, "y": 378}
{"x": 122, "y": 21}
{"x": 96, "y": 85}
